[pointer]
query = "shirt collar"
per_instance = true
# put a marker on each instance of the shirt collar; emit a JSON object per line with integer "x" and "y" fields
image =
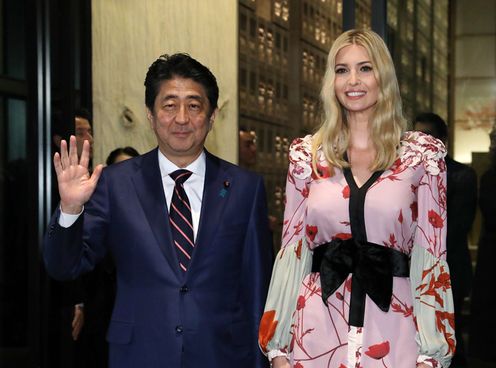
{"x": 197, "y": 167}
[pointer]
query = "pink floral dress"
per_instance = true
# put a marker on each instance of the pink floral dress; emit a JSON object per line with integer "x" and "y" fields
{"x": 404, "y": 208}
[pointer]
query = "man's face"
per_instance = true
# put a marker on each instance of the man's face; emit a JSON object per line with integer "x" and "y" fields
{"x": 423, "y": 127}
{"x": 180, "y": 119}
{"x": 83, "y": 132}
{"x": 247, "y": 148}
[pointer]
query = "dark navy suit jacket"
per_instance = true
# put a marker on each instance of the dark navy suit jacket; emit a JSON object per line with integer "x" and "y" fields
{"x": 207, "y": 317}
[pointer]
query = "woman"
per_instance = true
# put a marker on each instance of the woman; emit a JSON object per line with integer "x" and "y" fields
{"x": 361, "y": 278}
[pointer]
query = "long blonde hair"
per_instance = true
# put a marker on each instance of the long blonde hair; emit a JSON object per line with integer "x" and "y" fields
{"x": 387, "y": 123}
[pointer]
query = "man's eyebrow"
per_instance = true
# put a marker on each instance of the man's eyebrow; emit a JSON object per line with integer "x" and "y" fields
{"x": 189, "y": 97}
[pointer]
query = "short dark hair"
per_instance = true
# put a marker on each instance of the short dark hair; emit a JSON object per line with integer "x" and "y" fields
{"x": 130, "y": 151}
{"x": 83, "y": 113}
{"x": 439, "y": 126}
{"x": 166, "y": 67}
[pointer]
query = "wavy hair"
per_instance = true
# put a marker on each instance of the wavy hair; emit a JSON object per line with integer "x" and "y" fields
{"x": 387, "y": 123}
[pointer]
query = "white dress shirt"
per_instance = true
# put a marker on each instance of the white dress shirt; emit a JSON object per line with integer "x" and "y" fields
{"x": 193, "y": 188}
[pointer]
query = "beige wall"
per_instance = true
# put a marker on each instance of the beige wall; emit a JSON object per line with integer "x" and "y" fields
{"x": 128, "y": 35}
{"x": 475, "y": 76}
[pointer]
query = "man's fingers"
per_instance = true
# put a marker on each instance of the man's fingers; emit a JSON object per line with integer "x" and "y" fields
{"x": 63, "y": 154}
{"x": 85, "y": 155}
{"x": 57, "y": 164}
{"x": 73, "y": 154}
{"x": 96, "y": 174}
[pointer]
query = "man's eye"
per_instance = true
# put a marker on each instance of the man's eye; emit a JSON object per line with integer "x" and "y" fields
{"x": 194, "y": 107}
{"x": 169, "y": 106}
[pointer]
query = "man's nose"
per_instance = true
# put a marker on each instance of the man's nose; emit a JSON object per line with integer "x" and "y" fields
{"x": 182, "y": 115}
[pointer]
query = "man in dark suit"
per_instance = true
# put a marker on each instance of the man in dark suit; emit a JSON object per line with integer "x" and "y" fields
{"x": 190, "y": 247}
{"x": 461, "y": 204}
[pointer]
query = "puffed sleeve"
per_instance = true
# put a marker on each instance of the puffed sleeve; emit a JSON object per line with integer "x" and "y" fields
{"x": 294, "y": 260}
{"x": 429, "y": 273}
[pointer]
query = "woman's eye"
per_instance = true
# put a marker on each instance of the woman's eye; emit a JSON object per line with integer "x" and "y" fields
{"x": 366, "y": 68}
{"x": 340, "y": 70}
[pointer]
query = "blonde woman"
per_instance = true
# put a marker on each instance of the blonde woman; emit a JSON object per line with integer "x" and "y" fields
{"x": 361, "y": 278}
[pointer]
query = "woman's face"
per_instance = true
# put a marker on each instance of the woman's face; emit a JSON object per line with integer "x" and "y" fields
{"x": 355, "y": 84}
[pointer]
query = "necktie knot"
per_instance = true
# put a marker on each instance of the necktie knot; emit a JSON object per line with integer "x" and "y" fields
{"x": 180, "y": 176}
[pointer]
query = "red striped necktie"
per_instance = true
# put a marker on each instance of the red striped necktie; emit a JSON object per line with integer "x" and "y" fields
{"x": 180, "y": 219}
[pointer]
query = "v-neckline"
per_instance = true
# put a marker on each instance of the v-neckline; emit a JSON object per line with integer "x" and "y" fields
{"x": 350, "y": 178}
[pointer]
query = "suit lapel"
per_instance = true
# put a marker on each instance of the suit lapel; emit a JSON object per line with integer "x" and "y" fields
{"x": 218, "y": 183}
{"x": 149, "y": 188}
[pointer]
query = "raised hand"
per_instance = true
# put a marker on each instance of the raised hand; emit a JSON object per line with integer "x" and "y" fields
{"x": 75, "y": 183}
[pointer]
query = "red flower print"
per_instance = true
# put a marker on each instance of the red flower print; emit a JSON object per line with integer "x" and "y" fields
{"x": 339, "y": 296}
{"x": 400, "y": 217}
{"x": 378, "y": 351}
{"x": 298, "y": 249}
{"x": 299, "y": 365}
{"x": 346, "y": 192}
{"x": 311, "y": 232}
{"x": 324, "y": 171}
{"x": 300, "y": 304}
{"x": 267, "y": 329}
{"x": 443, "y": 281}
{"x": 342, "y": 236}
{"x": 342, "y": 366}
{"x": 414, "y": 209}
{"x": 305, "y": 191}
{"x": 347, "y": 284}
{"x": 435, "y": 219}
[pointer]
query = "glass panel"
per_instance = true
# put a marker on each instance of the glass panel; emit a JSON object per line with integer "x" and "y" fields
{"x": 12, "y": 40}
{"x": 14, "y": 245}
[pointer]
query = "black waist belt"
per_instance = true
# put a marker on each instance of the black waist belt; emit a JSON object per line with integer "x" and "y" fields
{"x": 373, "y": 267}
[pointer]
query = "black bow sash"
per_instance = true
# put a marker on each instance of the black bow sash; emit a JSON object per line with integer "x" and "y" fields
{"x": 373, "y": 267}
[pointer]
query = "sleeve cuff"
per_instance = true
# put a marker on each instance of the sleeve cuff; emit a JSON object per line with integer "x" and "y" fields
{"x": 276, "y": 353}
{"x": 67, "y": 220}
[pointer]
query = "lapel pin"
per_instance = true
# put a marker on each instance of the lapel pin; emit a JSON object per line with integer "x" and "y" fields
{"x": 227, "y": 184}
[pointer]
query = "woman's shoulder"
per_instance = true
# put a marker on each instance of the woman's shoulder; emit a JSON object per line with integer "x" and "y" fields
{"x": 419, "y": 148}
{"x": 300, "y": 156}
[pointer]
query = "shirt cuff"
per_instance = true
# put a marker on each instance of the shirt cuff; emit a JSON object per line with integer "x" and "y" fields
{"x": 67, "y": 220}
{"x": 276, "y": 353}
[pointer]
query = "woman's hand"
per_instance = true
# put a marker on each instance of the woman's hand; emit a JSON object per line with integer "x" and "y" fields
{"x": 280, "y": 362}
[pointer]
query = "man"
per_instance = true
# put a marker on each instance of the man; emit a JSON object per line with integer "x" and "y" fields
{"x": 191, "y": 253}
{"x": 461, "y": 204}
{"x": 247, "y": 148}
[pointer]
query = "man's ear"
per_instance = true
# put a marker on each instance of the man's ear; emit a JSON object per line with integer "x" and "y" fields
{"x": 149, "y": 115}
{"x": 211, "y": 119}
{"x": 56, "y": 140}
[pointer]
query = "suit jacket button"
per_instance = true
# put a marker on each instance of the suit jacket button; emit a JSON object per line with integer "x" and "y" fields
{"x": 184, "y": 289}
{"x": 179, "y": 329}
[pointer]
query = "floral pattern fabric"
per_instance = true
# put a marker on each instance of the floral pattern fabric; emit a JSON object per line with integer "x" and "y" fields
{"x": 404, "y": 209}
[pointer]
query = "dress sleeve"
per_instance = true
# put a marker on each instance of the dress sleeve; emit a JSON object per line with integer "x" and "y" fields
{"x": 294, "y": 260}
{"x": 429, "y": 273}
